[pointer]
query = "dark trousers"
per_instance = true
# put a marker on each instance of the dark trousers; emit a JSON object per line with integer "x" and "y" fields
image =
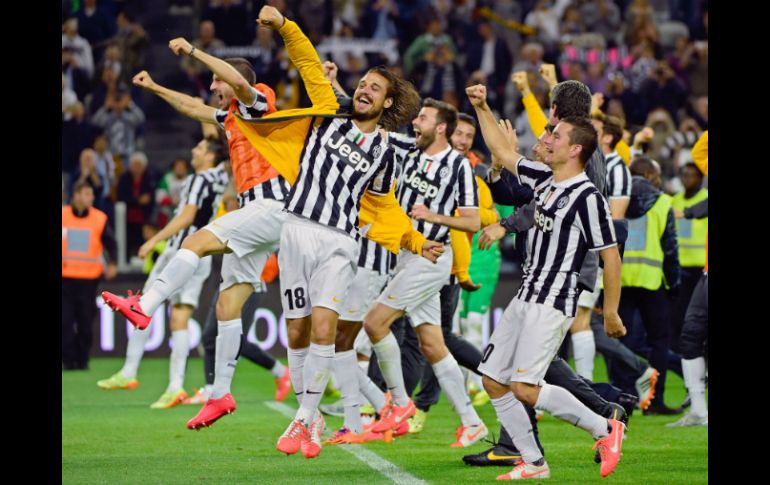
{"x": 78, "y": 309}
{"x": 694, "y": 341}
{"x": 653, "y": 307}
{"x": 411, "y": 357}
{"x": 249, "y": 350}
{"x": 614, "y": 352}
{"x": 466, "y": 354}
{"x": 690, "y": 278}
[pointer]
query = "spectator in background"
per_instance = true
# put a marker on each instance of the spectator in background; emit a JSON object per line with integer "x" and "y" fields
{"x": 427, "y": 42}
{"x": 662, "y": 89}
{"x": 169, "y": 190}
{"x": 698, "y": 70}
{"x": 231, "y": 20}
{"x": 488, "y": 55}
{"x": 75, "y": 78}
{"x": 676, "y": 148}
{"x": 133, "y": 42}
{"x": 111, "y": 61}
{"x": 379, "y": 19}
{"x": 640, "y": 24}
{"x": 95, "y": 25}
{"x": 597, "y": 77}
{"x": 699, "y": 110}
{"x": 545, "y": 17}
{"x": 602, "y": 17}
{"x": 88, "y": 173}
{"x": 69, "y": 101}
{"x": 197, "y": 72}
{"x": 571, "y": 23}
{"x": 439, "y": 76}
{"x": 119, "y": 116}
{"x": 136, "y": 188}
{"x": 82, "y": 56}
{"x": 76, "y": 134}
{"x": 105, "y": 165}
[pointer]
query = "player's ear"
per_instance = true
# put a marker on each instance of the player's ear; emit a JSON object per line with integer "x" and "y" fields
{"x": 388, "y": 102}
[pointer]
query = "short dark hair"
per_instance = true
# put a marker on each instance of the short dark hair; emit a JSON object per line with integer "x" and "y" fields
{"x": 406, "y": 100}
{"x": 466, "y": 118}
{"x": 217, "y": 148}
{"x": 572, "y": 98}
{"x": 244, "y": 67}
{"x": 80, "y": 185}
{"x": 583, "y": 133}
{"x": 693, "y": 166}
{"x": 613, "y": 126}
{"x": 446, "y": 113}
{"x": 642, "y": 166}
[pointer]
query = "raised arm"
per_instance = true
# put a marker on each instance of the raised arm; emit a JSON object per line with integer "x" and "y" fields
{"x": 494, "y": 138}
{"x": 245, "y": 93}
{"x": 187, "y": 105}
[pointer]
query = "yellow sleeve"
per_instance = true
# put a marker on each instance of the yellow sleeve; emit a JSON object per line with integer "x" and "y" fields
{"x": 624, "y": 151}
{"x": 535, "y": 115}
{"x": 700, "y": 153}
{"x": 461, "y": 254}
{"x": 390, "y": 226}
{"x": 306, "y": 60}
{"x": 487, "y": 212}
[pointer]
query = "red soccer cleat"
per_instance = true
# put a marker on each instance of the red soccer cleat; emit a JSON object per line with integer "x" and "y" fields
{"x": 128, "y": 307}
{"x": 211, "y": 411}
{"x": 609, "y": 447}
{"x": 392, "y": 416}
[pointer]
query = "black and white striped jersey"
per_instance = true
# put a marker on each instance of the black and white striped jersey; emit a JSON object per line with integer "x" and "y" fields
{"x": 374, "y": 257}
{"x": 203, "y": 190}
{"x": 571, "y": 218}
{"x": 618, "y": 177}
{"x": 443, "y": 182}
{"x": 337, "y": 164}
{"x": 258, "y": 108}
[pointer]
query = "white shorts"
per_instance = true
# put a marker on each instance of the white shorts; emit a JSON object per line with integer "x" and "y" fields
{"x": 191, "y": 291}
{"x": 416, "y": 284}
{"x": 363, "y": 292}
{"x": 252, "y": 233}
{"x": 318, "y": 265}
{"x": 524, "y": 343}
{"x": 588, "y": 299}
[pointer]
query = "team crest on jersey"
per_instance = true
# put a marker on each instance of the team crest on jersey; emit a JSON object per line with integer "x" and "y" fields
{"x": 562, "y": 202}
{"x": 376, "y": 150}
{"x": 443, "y": 173}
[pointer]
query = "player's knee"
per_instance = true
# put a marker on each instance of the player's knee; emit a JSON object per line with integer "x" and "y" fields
{"x": 433, "y": 351}
{"x": 493, "y": 388}
{"x": 524, "y": 393}
{"x": 226, "y": 309}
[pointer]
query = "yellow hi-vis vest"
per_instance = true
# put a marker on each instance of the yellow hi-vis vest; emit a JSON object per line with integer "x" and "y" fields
{"x": 643, "y": 257}
{"x": 691, "y": 233}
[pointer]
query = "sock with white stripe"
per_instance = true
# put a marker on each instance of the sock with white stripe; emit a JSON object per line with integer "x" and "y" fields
{"x": 346, "y": 369}
{"x": 296, "y": 358}
{"x": 177, "y": 272}
{"x": 584, "y": 348}
{"x": 389, "y": 360}
{"x": 563, "y": 405}
{"x": 450, "y": 378}
{"x": 134, "y": 352}
{"x": 511, "y": 414}
{"x": 694, "y": 371}
{"x": 180, "y": 349}
{"x": 228, "y": 344}
{"x": 318, "y": 367}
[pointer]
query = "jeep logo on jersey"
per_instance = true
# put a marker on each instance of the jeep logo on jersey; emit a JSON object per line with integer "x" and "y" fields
{"x": 348, "y": 152}
{"x": 544, "y": 222}
{"x": 415, "y": 181}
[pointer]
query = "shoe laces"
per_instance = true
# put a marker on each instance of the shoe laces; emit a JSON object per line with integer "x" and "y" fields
{"x": 295, "y": 430}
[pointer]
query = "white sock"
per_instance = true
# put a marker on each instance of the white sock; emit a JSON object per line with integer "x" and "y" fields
{"x": 278, "y": 369}
{"x": 389, "y": 360}
{"x": 563, "y": 405}
{"x": 472, "y": 329}
{"x": 318, "y": 367}
{"x": 451, "y": 381}
{"x": 296, "y": 359}
{"x": 208, "y": 389}
{"x": 346, "y": 371}
{"x": 180, "y": 349}
{"x": 134, "y": 352}
{"x": 370, "y": 390}
{"x": 226, "y": 356}
{"x": 584, "y": 348}
{"x": 511, "y": 414}
{"x": 694, "y": 371}
{"x": 177, "y": 272}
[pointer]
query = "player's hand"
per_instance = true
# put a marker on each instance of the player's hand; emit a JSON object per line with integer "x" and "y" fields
{"x": 643, "y": 136}
{"x": 421, "y": 213}
{"x": 143, "y": 80}
{"x": 271, "y": 17}
{"x": 548, "y": 71}
{"x": 112, "y": 271}
{"x": 510, "y": 133}
{"x": 469, "y": 285}
{"x": 613, "y": 325}
{"x": 491, "y": 234}
{"x": 145, "y": 249}
{"x": 520, "y": 80}
{"x": 597, "y": 100}
{"x": 330, "y": 70}
{"x": 431, "y": 250}
{"x": 180, "y": 46}
{"x": 477, "y": 95}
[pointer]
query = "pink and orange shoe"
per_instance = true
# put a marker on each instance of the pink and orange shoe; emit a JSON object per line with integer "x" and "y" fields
{"x": 609, "y": 447}
{"x": 392, "y": 416}
{"x": 524, "y": 471}
{"x": 129, "y": 307}
{"x": 282, "y": 386}
{"x": 211, "y": 411}
{"x": 312, "y": 447}
{"x": 291, "y": 439}
{"x": 465, "y": 436}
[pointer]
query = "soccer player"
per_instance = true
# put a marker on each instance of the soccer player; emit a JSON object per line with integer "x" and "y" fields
{"x": 571, "y": 218}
